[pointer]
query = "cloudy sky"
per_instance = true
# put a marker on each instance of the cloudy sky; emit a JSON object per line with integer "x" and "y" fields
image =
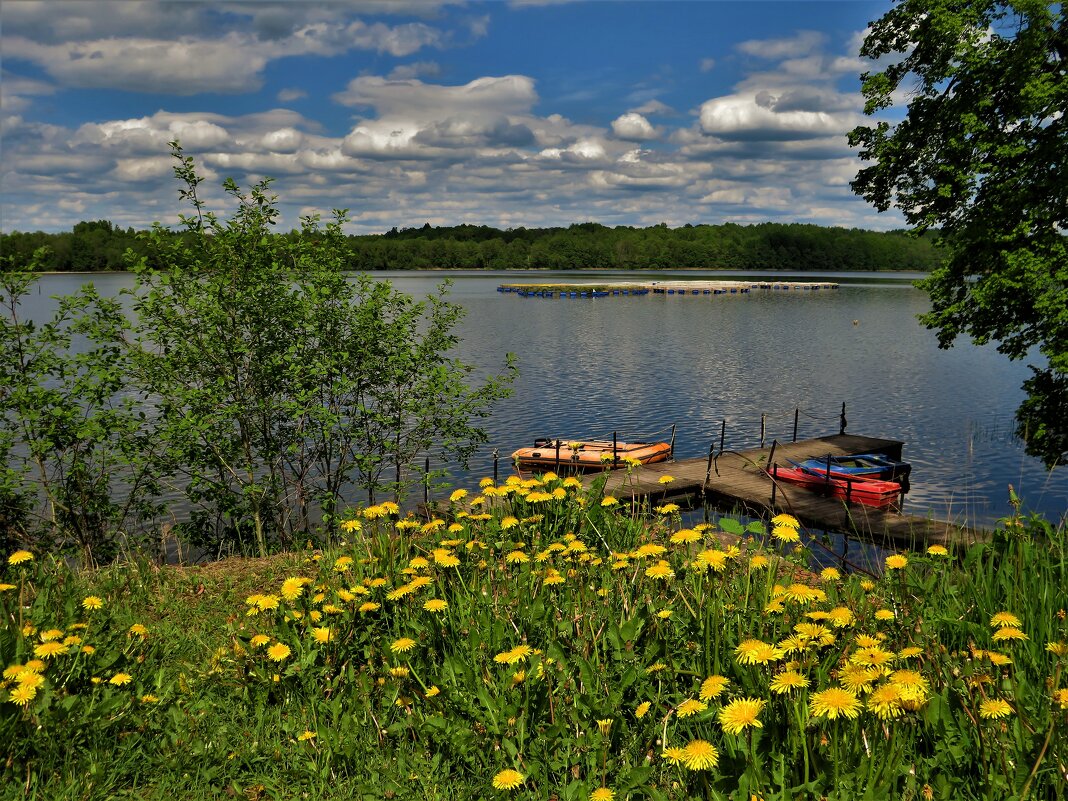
{"x": 524, "y": 113}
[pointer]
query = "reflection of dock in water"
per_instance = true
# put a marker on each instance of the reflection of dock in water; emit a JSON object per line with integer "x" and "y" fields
{"x": 736, "y": 480}
{"x": 672, "y": 288}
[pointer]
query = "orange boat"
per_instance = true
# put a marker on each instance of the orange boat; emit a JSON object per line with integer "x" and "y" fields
{"x": 589, "y": 454}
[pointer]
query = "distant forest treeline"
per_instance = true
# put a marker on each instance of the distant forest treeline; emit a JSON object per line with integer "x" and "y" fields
{"x": 99, "y": 245}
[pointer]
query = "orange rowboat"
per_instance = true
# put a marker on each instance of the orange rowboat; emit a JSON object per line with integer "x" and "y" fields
{"x": 589, "y": 454}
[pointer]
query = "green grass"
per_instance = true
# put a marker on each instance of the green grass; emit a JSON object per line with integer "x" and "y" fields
{"x": 563, "y": 617}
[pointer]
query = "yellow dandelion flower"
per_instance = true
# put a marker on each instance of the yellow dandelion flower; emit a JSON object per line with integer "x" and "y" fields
{"x": 88, "y": 649}
{"x": 758, "y": 561}
{"x": 148, "y": 698}
{"x": 6, "y": 587}
{"x": 292, "y": 588}
{"x": 604, "y": 726}
{"x": 840, "y": 617}
{"x": 661, "y": 570}
{"x": 399, "y": 672}
{"x": 896, "y": 561}
{"x": 994, "y": 708}
{"x": 259, "y": 640}
{"x": 35, "y": 665}
{"x": 867, "y": 585}
{"x": 685, "y": 536}
{"x": 872, "y": 657}
{"x": 999, "y": 660}
{"x": 649, "y": 549}
{"x": 306, "y": 735}
{"x": 911, "y": 683}
{"x": 278, "y": 652}
{"x": 830, "y": 574}
{"x": 656, "y": 667}
{"x": 119, "y": 679}
{"x": 50, "y": 634}
{"x": 1057, "y": 648}
{"x": 402, "y": 645}
{"x": 665, "y": 479}
{"x": 1003, "y": 619}
{"x": 18, "y": 557}
{"x": 508, "y": 780}
{"x": 786, "y": 534}
{"x": 908, "y": 653}
{"x": 432, "y": 690}
{"x": 374, "y": 512}
{"x": 884, "y": 614}
{"x": 787, "y": 681}
{"x": 457, "y": 495}
{"x": 667, "y": 509}
{"x": 47, "y": 650}
{"x": 1008, "y": 633}
{"x": 712, "y": 687}
{"x": 92, "y": 602}
{"x": 445, "y": 557}
{"x": 516, "y": 557}
{"x": 785, "y": 520}
{"x": 803, "y": 594}
{"x": 608, "y": 500}
{"x": 22, "y": 694}
{"x": 858, "y": 678}
{"x": 1060, "y": 697}
{"x": 834, "y": 703}
{"x": 713, "y": 559}
{"x": 700, "y": 755}
{"x": 436, "y": 605}
{"x": 641, "y": 709}
{"x": 351, "y": 526}
{"x": 602, "y": 794}
{"x": 741, "y": 713}
{"x": 690, "y": 707}
{"x": 755, "y": 652}
{"x": 676, "y": 756}
{"x": 886, "y": 701}
{"x": 321, "y": 635}
{"x": 30, "y": 678}
{"x": 937, "y": 550}
{"x": 138, "y": 630}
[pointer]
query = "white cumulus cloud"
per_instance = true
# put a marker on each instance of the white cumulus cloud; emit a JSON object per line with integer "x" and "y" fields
{"x": 634, "y": 127}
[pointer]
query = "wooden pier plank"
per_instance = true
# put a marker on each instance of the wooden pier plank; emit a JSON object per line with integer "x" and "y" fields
{"x": 737, "y": 479}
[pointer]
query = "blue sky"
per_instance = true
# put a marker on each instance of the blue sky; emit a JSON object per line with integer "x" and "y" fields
{"x": 506, "y": 114}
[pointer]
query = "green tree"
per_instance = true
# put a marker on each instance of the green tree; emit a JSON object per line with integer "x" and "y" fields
{"x": 981, "y": 156}
{"x": 279, "y": 381}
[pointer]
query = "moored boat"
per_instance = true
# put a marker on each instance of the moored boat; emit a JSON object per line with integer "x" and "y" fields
{"x": 870, "y": 465}
{"x": 589, "y": 454}
{"x": 865, "y": 490}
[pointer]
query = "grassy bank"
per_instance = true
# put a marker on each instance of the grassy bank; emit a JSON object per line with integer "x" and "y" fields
{"x": 555, "y": 647}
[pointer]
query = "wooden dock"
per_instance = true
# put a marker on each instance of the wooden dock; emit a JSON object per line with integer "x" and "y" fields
{"x": 736, "y": 481}
{"x": 677, "y": 288}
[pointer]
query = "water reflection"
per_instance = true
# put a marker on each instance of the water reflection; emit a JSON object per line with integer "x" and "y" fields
{"x": 636, "y": 365}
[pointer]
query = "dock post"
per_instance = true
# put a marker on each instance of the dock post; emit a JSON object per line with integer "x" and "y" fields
{"x": 426, "y": 482}
{"x": 558, "y": 455}
{"x": 722, "y": 434}
{"x": 708, "y": 469}
{"x": 827, "y": 477}
{"x": 796, "y": 412}
{"x": 671, "y": 445}
{"x": 495, "y": 455}
{"x": 842, "y": 420}
{"x": 774, "y": 483}
{"x": 763, "y": 425}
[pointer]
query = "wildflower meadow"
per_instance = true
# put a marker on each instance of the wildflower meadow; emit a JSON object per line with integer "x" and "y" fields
{"x": 536, "y": 639}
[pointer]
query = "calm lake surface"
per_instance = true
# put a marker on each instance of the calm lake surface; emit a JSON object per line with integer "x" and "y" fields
{"x": 636, "y": 365}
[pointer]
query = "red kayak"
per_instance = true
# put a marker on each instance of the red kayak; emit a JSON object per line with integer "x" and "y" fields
{"x": 868, "y": 491}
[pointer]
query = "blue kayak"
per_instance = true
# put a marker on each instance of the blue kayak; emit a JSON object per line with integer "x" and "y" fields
{"x": 866, "y": 465}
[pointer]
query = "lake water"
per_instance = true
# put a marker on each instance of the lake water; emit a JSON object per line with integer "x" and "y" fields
{"x": 637, "y": 365}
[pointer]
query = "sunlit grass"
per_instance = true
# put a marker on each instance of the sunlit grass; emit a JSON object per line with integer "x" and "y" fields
{"x": 532, "y": 631}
